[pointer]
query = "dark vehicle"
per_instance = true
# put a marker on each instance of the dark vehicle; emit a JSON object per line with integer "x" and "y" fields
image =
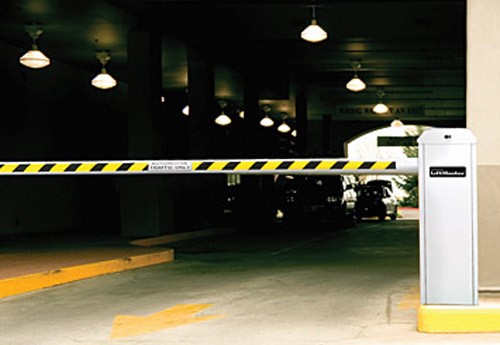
{"x": 314, "y": 198}
{"x": 384, "y": 183}
{"x": 376, "y": 201}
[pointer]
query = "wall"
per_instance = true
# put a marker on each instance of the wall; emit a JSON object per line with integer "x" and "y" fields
{"x": 483, "y": 88}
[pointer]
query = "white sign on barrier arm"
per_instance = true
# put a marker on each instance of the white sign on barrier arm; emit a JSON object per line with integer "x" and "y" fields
{"x": 170, "y": 166}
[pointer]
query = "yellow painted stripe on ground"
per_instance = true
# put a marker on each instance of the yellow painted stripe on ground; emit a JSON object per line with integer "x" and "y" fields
{"x": 37, "y": 281}
{"x": 34, "y": 167}
{"x": 325, "y": 165}
{"x": 138, "y": 166}
{"x": 298, "y": 165}
{"x": 352, "y": 165}
{"x": 217, "y": 166}
{"x": 8, "y": 167}
{"x": 196, "y": 165}
{"x": 110, "y": 167}
{"x": 179, "y": 315}
{"x": 272, "y": 165}
{"x": 85, "y": 167}
{"x": 59, "y": 167}
{"x": 458, "y": 319}
{"x": 380, "y": 165}
{"x": 244, "y": 166}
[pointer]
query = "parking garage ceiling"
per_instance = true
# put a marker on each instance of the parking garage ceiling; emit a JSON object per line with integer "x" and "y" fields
{"x": 412, "y": 50}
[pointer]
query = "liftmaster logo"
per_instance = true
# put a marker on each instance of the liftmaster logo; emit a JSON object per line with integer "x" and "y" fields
{"x": 447, "y": 171}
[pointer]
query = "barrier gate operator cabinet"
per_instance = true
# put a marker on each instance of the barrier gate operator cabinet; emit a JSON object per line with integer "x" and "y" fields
{"x": 448, "y": 217}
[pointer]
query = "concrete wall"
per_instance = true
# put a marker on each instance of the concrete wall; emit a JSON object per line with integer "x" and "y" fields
{"x": 483, "y": 107}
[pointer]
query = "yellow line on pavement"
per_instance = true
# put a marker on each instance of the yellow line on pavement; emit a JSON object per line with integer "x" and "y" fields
{"x": 179, "y": 315}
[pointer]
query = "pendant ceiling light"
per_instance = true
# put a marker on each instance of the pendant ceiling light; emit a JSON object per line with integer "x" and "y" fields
{"x": 222, "y": 119}
{"x": 34, "y": 58}
{"x": 185, "y": 110}
{"x": 284, "y": 127}
{"x": 103, "y": 80}
{"x": 397, "y": 123}
{"x": 380, "y": 107}
{"x": 294, "y": 133}
{"x": 266, "y": 120}
{"x": 314, "y": 33}
{"x": 355, "y": 84}
{"x": 241, "y": 113}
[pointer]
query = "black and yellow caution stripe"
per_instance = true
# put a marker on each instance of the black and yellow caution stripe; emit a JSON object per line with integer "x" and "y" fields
{"x": 72, "y": 167}
{"x": 292, "y": 165}
{"x": 258, "y": 166}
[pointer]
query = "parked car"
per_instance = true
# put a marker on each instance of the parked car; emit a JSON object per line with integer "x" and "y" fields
{"x": 315, "y": 198}
{"x": 376, "y": 200}
{"x": 385, "y": 183}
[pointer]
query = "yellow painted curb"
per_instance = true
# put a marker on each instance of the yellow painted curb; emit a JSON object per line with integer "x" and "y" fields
{"x": 182, "y": 236}
{"x": 37, "y": 281}
{"x": 459, "y": 319}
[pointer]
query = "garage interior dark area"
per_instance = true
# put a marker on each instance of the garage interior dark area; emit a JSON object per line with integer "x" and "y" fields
{"x": 169, "y": 54}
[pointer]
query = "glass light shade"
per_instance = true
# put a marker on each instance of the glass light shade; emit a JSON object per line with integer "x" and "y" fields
{"x": 313, "y": 33}
{"x": 266, "y": 121}
{"x": 284, "y": 128}
{"x": 185, "y": 110}
{"x": 104, "y": 81}
{"x": 380, "y": 108}
{"x": 355, "y": 84}
{"x": 223, "y": 120}
{"x": 397, "y": 123}
{"x": 294, "y": 133}
{"x": 34, "y": 58}
{"x": 242, "y": 114}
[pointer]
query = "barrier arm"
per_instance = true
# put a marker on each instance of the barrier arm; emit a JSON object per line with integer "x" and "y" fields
{"x": 310, "y": 166}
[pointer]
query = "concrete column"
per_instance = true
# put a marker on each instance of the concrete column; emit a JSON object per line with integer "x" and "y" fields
{"x": 252, "y": 115}
{"x": 201, "y": 103}
{"x": 144, "y": 90}
{"x": 301, "y": 120}
{"x": 483, "y": 88}
{"x": 327, "y": 133}
{"x": 145, "y": 202}
{"x": 196, "y": 207}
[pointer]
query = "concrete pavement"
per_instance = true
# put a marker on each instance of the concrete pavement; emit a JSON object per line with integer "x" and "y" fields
{"x": 356, "y": 286}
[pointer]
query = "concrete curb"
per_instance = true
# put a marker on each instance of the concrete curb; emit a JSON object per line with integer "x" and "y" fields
{"x": 459, "y": 319}
{"x": 181, "y": 236}
{"x": 37, "y": 281}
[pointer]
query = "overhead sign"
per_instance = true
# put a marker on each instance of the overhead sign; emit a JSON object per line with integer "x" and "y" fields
{"x": 397, "y": 141}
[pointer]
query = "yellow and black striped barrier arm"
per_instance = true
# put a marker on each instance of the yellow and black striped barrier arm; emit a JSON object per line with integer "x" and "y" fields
{"x": 231, "y": 166}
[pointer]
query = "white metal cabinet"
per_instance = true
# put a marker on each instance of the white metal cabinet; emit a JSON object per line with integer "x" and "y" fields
{"x": 448, "y": 217}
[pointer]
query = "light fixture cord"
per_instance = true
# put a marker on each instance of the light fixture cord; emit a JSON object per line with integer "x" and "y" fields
{"x": 313, "y": 7}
